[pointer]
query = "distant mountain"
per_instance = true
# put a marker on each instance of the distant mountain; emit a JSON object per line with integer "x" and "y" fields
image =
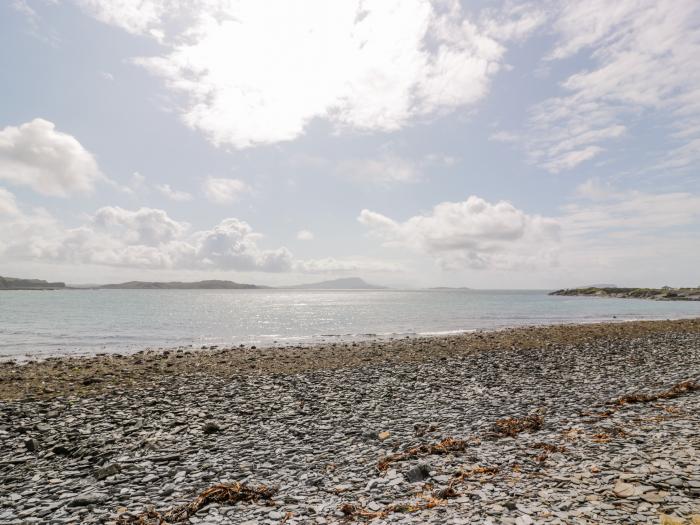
{"x": 176, "y": 285}
{"x": 348, "y": 283}
{"x": 12, "y": 283}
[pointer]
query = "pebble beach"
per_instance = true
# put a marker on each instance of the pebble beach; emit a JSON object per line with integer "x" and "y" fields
{"x": 580, "y": 424}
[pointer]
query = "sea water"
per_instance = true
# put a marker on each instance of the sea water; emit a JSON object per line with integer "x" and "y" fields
{"x": 46, "y": 323}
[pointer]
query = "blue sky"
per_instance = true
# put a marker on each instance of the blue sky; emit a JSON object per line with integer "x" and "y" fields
{"x": 413, "y": 143}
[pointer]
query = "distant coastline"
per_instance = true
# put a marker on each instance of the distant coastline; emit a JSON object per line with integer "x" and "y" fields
{"x": 12, "y": 283}
{"x": 348, "y": 283}
{"x": 656, "y": 294}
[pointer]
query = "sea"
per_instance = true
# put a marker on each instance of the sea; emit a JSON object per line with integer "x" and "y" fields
{"x": 38, "y": 324}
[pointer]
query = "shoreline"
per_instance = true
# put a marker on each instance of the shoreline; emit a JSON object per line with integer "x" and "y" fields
{"x": 92, "y": 373}
{"x": 590, "y": 424}
{"x": 317, "y": 340}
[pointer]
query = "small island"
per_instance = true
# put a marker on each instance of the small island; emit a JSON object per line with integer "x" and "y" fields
{"x": 657, "y": 294}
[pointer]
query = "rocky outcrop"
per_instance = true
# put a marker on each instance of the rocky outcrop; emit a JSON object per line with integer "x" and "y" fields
{"x": 658, "y": 294}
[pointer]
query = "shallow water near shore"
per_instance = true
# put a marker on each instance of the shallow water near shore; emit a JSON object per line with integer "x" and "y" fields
{"x": 41, "y": 324}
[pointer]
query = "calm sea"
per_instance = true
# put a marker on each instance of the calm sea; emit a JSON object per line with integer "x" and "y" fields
{"x": 34, "y": 323}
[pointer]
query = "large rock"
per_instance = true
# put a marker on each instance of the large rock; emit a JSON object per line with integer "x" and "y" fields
{"x": 107, "y": 471}
{"x": 623, "y": 490}
{"x": 418, "y": 473}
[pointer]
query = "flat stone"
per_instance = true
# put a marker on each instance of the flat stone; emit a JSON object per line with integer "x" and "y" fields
{"x": 623, "y": 490}
{"x": 653, "y": 497}
{"x": 91, "y": 498}
{"x": 107, "y": 470}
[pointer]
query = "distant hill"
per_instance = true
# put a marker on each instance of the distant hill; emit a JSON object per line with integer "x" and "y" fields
{"x": 657, "y": 294}
{"x": 348, "y": 283}
{"x": 12, "y": 283}
{"x": 177, "y": 285}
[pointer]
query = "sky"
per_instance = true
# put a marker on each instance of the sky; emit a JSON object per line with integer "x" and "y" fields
{"x": 413, "y": 143}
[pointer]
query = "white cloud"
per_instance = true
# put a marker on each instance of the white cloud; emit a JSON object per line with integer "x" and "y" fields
{"x": 473, "y": 233}
{"x": 602, "y": 210}
{"x": 172, "y": 194}
{"x": 222, "y": 191}
{"x": 305, "y": 235}
{"x": 253, "y": 73}
{"x": 135, "y": 16}
{"x": 629, "y": 236}
{"x": 53, "y": 163}
{"x": 8, "y": 205}
{"x": 149, "y": 238}
{"x": 146, "y": 226}
{"x": 644, "y": 65}
{"x": 389, "y": 169}
{"x": 232, "y": 245}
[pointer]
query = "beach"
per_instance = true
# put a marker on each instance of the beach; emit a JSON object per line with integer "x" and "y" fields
{"x": 589, "y": 423}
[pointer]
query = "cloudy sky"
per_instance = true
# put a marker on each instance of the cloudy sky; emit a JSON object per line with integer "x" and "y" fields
{"x": 412, "y": 142}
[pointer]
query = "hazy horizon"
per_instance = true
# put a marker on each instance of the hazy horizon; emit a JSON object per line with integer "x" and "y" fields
{"x": 414, "y": 144}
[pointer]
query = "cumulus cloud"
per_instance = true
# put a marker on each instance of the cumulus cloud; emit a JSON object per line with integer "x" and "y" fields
{"x": 223, "y": 191}
{"x": 233, "y": 245}
{"x": 134, "y": 16}
{"x": 305, "y": 235}
{"x": 253, "y": 73}
{"x": 145, "y": 226}
{"x": 472, "y": 233}
{"x": 52, "y": 163}
{"x": 150, "y": 238}
{"x": 173, "y": 194}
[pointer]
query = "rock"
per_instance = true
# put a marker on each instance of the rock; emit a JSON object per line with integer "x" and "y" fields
{"x": 32, "y": 445}
{"x": 675, "y": 482}
{"x": 372, "y": 483}
{"x": 383, "y": 435}
{"x": 666, "y": 519}
{"x": 418, "y": 473}
{"x": 60, "y": 450}
{"x": 106, "y": 471}
{"x": 653, "y": 497}
{"x": 524, "y": 520}
{"x": 623, "y": 490}
{"x": 210, "y": 427}
{"x": 91, "y": 498}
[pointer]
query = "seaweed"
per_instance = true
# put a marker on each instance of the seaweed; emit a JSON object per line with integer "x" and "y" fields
{"x": 222, "y": 493}
{"x": 445, "y": 446}
{"x": 352, "y": 510}
{"x": 512, "y": 426}
{"x": 548, "y": 447}
{"x": 676, "y": 390}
